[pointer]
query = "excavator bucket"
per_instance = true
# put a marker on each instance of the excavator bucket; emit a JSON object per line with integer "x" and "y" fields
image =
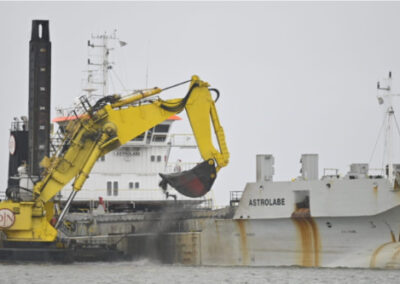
{"x": 193, "y": 183}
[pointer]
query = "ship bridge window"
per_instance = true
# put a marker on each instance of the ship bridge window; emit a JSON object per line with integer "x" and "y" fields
{"x": 158, "y": 158}
{"x": 62, "y": 129}
{"x": 149, "y": 134}
{"x": 115, "y": 189}
{"x": 152, "y": 158}
{"x": 159, "y": 138}
{"x": 109, "y": 188}
{"x": 139, "y": 138}
{"x": 161, "y": 128}
{"x": 133, "y": 185}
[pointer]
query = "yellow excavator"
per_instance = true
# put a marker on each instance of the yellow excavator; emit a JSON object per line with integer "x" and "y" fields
{"x": 104, "y": 126}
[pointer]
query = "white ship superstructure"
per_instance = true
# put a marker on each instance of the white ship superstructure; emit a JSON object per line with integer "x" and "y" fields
{"x": 131, "y": 173}
{"x": 127, "y": 178}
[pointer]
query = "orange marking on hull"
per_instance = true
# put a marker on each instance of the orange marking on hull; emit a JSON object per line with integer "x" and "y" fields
{"x": 375, "y": 190}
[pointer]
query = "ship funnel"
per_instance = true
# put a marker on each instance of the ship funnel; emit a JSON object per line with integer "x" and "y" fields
{"x": 193, "y": 183}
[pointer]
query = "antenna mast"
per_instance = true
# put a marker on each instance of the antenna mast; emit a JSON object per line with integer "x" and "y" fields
{"x": 99, "y": 64}
{"x": 385, "y": 96}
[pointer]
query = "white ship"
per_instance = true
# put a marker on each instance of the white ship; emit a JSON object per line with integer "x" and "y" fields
{"x": 127, "y": 178}
{"x": 328, "y": 221}
{"x": 313, "y": 221}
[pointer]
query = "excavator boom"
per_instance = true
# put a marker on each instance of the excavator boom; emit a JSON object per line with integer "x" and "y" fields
{"x": 105, "y": 126}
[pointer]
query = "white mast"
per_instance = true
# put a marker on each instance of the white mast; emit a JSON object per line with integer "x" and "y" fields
{"x": 105, "y": 64}
{"x": 385, "y": 96}
{"x": 99, "y": 64}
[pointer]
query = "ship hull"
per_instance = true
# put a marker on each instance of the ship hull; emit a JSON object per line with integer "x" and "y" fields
{"x": 364, "y": 242}
{"x": 358, "y": 242}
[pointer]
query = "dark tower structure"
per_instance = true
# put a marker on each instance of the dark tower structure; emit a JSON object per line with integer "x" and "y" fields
{"x": 39, "y": 95}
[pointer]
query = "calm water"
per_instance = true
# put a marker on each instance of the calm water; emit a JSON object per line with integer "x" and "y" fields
{"x": 146, "y": 272}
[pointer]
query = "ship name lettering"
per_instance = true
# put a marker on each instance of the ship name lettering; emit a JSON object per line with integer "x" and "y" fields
{"x": 267, "y": 202}
{"x": 127, "y": 153}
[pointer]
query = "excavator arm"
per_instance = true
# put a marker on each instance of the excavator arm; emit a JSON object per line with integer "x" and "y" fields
{"x": 110, "y": 123}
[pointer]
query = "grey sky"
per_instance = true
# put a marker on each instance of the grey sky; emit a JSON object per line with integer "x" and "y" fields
{"x": 294, "y": 77}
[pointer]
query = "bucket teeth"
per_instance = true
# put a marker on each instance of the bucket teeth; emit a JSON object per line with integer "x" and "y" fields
{"x": 193, "y": 183}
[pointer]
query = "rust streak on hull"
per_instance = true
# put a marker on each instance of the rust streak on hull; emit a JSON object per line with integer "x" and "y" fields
{"x": 316, "y": 240}
{"x": 393, "y": 237}
{"x": 243, "y": 242}
{"x": 372, "y": 263}
{"x": 395, "y": 256}
{"x": 305, "y": 240}
{"x": 309, "y": 238}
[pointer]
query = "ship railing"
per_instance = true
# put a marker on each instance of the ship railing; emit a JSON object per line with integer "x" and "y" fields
{"x": 183, "y": 140}
{"x": 56, "y": 141}
{"x": 207, "y": 204}
{"x": 376, "y": 172}
{"x": 19, "y": 125}
{"x": 179, "y": 167}
{"x": 330, "y": 173}
{"x": 59, "y": 139}
{"x": 235, "y": 197}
